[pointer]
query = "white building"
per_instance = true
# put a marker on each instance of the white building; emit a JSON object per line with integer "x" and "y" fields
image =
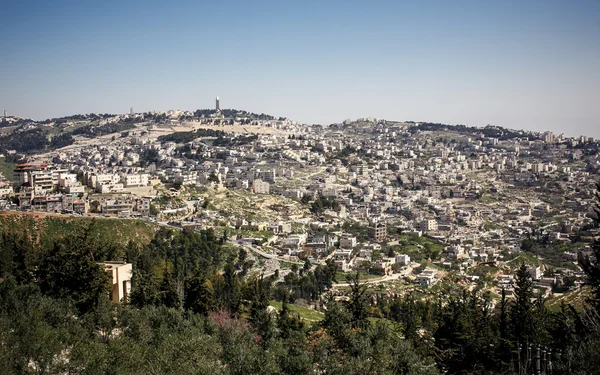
{"x": 403, "y": 259}
{"x": 428, "y": 225}
{"x": 120, "y": 279}
{"x": 348, "y": 242}
{"x": 260, "y": 187}
{"x": 132, "y": 180}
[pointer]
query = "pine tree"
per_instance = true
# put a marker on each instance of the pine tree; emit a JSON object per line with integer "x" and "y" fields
{"x": 169, "y": 294}
{"x": 69, "y": 270}
{"x": 260, "y": 318}
{"x": 231, "y": 291}
{"x": 504, "y": 331}
{"x": 288, "y": 322}
{"x": 145, "y": 286}
{"x": 522, "y": 310}
{"x": 200, "y": 296}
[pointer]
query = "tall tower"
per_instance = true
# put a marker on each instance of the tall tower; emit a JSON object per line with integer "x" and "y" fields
{"x": 6, "y": 112}
{"x": 217, "y": 108}
{"x": 131, "y": 111}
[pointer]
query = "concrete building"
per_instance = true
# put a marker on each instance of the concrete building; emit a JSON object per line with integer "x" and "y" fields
{"x": 117, "y": 208}
{"x": 403, "y": 259}
{"x": 67, "y": 202}
{"x": 428, "y": 225}
{"x": 348, "y": 242}
{"x": 548, "y": 137}
{"x": 133, "y": 180}
{"x": 426, "y": 278}
{"x": 378, "y": 231}
{"x": 80, "y": 207}
{"x": 142, "y": 206}
{"x": 23, "y": 172}
{"x": 260, "y": 187}
{"x": 120, "y": 279}
{"x": 535, "y": 273}
{"x": 5, "y": 191}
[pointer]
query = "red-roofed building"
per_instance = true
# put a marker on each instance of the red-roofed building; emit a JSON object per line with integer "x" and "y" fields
{"x": 80, "y": 207}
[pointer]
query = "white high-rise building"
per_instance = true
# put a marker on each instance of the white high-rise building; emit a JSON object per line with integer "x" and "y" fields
{"x": 131, "y": 111}
{"x": 217, "y": 107}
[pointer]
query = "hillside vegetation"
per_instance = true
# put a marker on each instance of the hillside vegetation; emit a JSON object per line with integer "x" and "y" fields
{"x": 45, "y": 229}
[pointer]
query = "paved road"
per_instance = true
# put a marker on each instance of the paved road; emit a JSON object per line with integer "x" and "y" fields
{"x": 265, "y": 254}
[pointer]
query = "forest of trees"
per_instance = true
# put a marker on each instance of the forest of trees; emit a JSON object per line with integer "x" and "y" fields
{"x": 92, "y": 131}
{"x": 194, "y": 309}
{"x": 33, "y": 140}
{"x": 229, "y": 141}
{"x": 489, "y": 131}
{"x": 323, "y": 203}
{"x": 235, "y": 113}
{"x": 185, "y": 137}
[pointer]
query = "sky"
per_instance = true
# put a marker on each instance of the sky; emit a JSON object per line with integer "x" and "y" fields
{"x": 526, "y": 64}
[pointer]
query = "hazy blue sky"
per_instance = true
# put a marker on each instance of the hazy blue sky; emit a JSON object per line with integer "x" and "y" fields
{"x": 522, "y": 64}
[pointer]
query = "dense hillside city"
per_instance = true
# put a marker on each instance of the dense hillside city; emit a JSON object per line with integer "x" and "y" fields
{"x": 224, "y": 241}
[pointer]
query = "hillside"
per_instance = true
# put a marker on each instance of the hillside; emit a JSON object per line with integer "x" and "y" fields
{"x": 45, "y": 229}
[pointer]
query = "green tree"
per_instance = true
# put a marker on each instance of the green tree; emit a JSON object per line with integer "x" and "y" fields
{"x": 200, "y": 296}
{"x": 288, "y": 322}
{"x": 69, "y": 270}
{"x": 260, "y": 318}
{"x": 17, "y": 258}
{"x": 523, "y": 322}
{"x": 145, "y": 289}
{"x": 169, "y": 291}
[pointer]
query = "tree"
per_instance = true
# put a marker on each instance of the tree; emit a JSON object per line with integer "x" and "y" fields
{"x": 466, "y": 337}
{"x": 503, "y": 330}
{"x": 16, "y": 258}
{"x": 522, "y": 310}
{"x": 34, "y": 330}
{"x": 145, "y": 287}
{"x": 358, "y": 304}
{"x": 213, "y": 178}
{"x": 95, "y": 206}
{"x": 287, "y": 322}
{"x": 169, "y": 291}
{"x": 154, "y": 210}
{"x": 229, "y": 291}
{"x": 69, "y": 270}
{"x": 307, "y": 265}
{"x": 337, "y": 320}
{"x": 260, "y": 318}
{"x": 200, "y": 296}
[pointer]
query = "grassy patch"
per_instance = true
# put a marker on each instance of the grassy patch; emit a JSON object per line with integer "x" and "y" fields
{"x": 46, "y": 229}
{"x": 341, "y": 276}
{"x": 305, "y": 313}
{"x": 575, "y": 298}
{"x": 375, "y": 321}
{"x": 492, "y": 226}
{"x": 488, "y": 199}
